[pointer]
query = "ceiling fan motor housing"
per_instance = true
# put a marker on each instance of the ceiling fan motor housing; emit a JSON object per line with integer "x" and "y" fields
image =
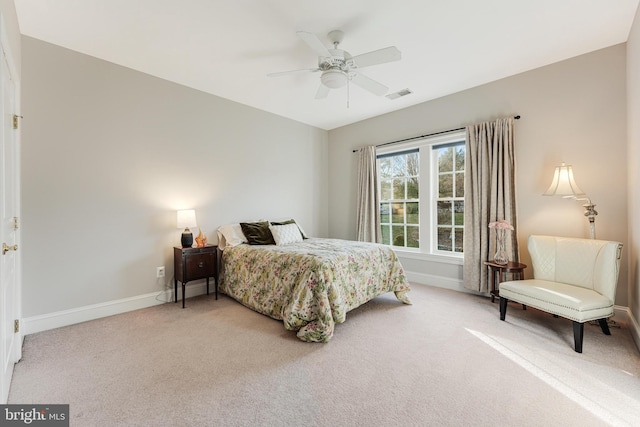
{"x": 335, "y": 69}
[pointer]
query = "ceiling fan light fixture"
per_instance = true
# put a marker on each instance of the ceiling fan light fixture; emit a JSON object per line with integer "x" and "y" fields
{"x": 334, "y": 79}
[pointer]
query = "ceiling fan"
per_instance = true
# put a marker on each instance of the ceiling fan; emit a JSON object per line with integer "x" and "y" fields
{"x": 338, "y": 67}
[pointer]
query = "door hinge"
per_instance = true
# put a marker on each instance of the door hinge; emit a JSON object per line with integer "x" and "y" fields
{"x": 15, "y": 120}
{"x": 15, "y": 223}
{"x": 16, "y": 326}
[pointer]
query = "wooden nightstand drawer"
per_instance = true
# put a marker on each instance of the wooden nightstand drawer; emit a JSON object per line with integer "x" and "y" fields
{"x": 199, "y": 266}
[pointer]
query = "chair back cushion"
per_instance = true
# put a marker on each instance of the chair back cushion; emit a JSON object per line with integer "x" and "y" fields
{"x": 588, "y": 263}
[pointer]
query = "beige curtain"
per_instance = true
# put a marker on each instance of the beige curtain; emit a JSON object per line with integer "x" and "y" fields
{"x": 490, "y": 195}
{"x": 368, "y": 210}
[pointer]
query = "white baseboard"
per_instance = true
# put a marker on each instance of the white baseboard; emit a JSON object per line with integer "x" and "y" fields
{"x": 58, "y": 319}
{"x": 438, "y": 281}
{"x": 632, "y": 323}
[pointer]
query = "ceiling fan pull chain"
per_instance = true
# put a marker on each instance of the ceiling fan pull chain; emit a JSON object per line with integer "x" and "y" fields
{"x": 348, "y": 93}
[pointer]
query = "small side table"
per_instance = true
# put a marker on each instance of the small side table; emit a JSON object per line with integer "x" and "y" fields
{"x": 193, "y": 264}
{"x": 498, "y": 272}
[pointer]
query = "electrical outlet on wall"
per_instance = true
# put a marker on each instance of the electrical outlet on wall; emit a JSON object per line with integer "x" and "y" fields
{"x": 160, "y": 272}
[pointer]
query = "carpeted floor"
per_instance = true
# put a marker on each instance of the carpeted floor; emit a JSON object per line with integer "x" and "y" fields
{"x": 447, "y": 360}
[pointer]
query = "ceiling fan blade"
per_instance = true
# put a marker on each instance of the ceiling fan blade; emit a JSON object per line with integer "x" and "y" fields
{"x": 314, "y": 43}
{"x": 369, "y": 84}
{"x": 284, "y": 73}
{"x": 380, "y": 56}
{"x": 322, "y": 92}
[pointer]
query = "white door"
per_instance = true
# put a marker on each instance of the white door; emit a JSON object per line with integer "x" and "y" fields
{"x": 9, "y": 236}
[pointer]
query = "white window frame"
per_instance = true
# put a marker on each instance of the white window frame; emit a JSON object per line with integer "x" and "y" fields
{"x": 435, "y": 199}
{"x": 428, "y": 191}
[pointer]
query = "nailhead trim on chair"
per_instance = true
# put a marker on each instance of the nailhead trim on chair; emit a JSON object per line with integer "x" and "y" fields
{"x": 560, "y": 305}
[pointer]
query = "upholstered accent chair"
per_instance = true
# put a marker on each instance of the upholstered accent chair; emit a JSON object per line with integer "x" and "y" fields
{"x": 572, "y": 278}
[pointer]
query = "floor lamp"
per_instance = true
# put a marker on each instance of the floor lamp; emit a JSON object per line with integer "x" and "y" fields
{"x": 565, "y": 186}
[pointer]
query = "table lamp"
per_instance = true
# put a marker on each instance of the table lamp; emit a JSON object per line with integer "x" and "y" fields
{"x": 186, "y": 219}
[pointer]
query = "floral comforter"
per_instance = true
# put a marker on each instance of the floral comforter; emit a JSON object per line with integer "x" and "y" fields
{"x": 312, "y": 285}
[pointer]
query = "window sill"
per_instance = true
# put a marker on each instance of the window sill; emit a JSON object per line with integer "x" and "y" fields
{"x": 443, "y": 259}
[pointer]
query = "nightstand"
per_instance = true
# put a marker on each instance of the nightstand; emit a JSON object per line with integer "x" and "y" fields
{"x": 193, "y": 264}
{"x": 498, "y": 273}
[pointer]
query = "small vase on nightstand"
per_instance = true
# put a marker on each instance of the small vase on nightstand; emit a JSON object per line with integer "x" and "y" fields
{"x": 501, "y": 256}
{"x": 501, "y": 227}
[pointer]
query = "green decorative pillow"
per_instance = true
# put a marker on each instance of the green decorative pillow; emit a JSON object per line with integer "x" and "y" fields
{"x": 257, "y": 233}
{"x": 291, "y": 221}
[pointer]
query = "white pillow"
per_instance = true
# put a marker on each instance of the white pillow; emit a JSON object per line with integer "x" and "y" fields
{"x": 285, "y": 234}
{"x": 287, "y": 219}
{"x": 232, "y": 234}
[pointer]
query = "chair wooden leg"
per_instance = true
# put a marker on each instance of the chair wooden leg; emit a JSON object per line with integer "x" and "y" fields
{"x": 503, "y": 307}
{"x": 604, "y": 326}
{"x": 578, "y": 333}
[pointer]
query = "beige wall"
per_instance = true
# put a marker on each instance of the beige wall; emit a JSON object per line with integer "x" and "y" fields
{"x": 572, "y": 111}
{"x": 110, "y": 154}
{"x": 633, "y": 161}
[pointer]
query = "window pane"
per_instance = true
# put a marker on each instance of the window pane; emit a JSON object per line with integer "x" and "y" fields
{"x": 413, "y": 237}
{"x": 458, "y": 212}
{"x": 413, "y": 164}
{"x": 459, "y": 236}
{"x": 445, "y": 159}
{"x": 386, "y": 234}
{"x": 412, "y": 188}
{"x": 445, "y": 185}
{"x": 460, "y": 153}
{"x": 385, "y": 189}
{"x": 444, "y": 239}
{"x": 398, "y": 188}
{"x": 444, "y": 213}
{"x": 459, "y": 184}
{"x": 384, "y": 167}
{"x": 384, "y": 213}
{"x": 399, "y": 165}
{"x": 398, "y": 235}
{"x": 413, "y": 214}
{"x": 397, "y": 213}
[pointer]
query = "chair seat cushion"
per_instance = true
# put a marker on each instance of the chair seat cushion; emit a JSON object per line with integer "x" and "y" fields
{"x": 573, "y": 302}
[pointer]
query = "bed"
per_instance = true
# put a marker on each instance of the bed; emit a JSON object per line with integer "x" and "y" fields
{"x": 311, "y": 284}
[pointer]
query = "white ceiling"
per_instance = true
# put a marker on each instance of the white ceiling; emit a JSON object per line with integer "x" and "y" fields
{"x": 227, "y": 47}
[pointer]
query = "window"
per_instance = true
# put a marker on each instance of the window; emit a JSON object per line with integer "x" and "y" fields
{"x": 421, "y": 187}
{"x": 399, "y": 203}
{"x": 449, "y": 201}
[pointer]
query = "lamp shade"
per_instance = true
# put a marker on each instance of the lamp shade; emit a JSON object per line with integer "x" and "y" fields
{"x": 334, "y": 79}
{"x": 186, "y": 218}
{"x": 563, "y": 183}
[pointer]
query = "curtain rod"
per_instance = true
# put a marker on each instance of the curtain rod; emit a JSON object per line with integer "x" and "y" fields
{"x": 427, "y": 135}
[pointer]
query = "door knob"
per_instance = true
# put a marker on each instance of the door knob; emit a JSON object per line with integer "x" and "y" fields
{"x": 6, "y": 248}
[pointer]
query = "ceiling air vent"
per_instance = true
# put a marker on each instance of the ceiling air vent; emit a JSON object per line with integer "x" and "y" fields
{"x": 399, "y": 93}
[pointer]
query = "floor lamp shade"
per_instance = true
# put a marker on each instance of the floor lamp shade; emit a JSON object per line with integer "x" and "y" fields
{"x": 565, "y": 186}
{"x": 185, "y": 219}
{"x": 563, "y": 183}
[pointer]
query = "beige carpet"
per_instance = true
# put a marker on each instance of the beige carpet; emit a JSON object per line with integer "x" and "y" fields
{"x": 447, "y": 360}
